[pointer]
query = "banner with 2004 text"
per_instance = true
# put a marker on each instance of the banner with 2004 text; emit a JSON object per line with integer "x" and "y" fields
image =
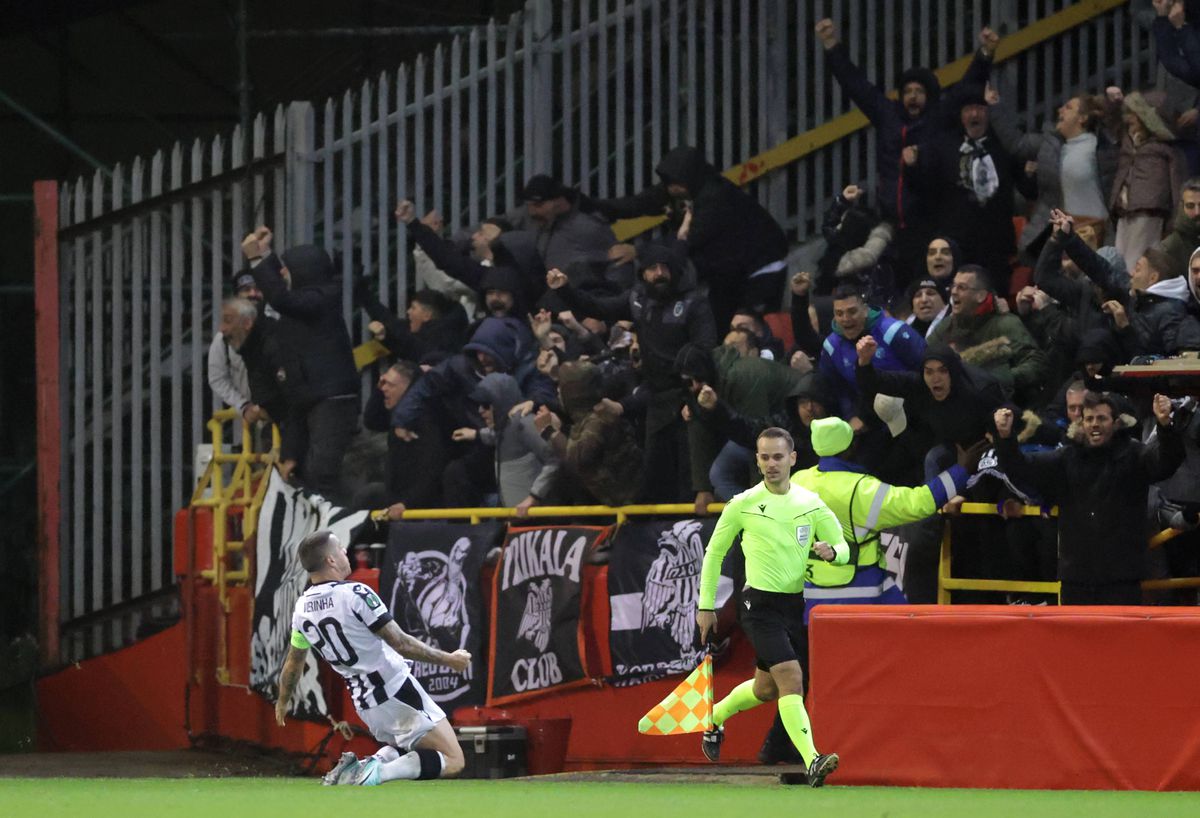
{"x": 429, "y": 580}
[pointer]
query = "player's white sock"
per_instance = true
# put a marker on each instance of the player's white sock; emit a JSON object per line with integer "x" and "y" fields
{"x": 387, "y": 753}
{"x": 408, "y": 766}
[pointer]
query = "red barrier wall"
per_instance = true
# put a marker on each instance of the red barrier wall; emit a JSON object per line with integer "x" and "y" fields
{"x": 128, "y": 700}
{"x": 1017, "y": 697}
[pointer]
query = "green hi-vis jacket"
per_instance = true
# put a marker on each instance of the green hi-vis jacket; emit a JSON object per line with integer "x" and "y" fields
{"x": 865, "y": 505}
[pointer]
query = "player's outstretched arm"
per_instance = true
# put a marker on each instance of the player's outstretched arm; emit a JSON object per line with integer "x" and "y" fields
{"x": 412, "y": 648}
{"x": 289, "y": 677}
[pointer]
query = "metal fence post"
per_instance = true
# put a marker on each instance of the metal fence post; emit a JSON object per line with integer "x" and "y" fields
{"x": 300, "y": 176}
{"x": 775, "y": 116}
{"x": 541, "y": 102}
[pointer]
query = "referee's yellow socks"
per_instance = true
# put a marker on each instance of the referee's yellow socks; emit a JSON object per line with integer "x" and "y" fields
{"x": 740, "y": 698}
{"x": 795, "y": 721}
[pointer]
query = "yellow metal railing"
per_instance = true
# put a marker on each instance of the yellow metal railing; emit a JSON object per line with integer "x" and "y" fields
{"x": 948, "y": 583}
{"x": 213, "y": 492}
{"x": 620, "y": 513}
{"x": 842, "y": 126}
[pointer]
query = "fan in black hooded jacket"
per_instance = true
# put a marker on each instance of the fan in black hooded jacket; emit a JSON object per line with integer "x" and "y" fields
{"x": 900, "y": 122}
{"x": 949, "y": 412}
{"x": 736, "y": 246}
{"x": 666, "y": 313}
{"x": 315, "y": 359}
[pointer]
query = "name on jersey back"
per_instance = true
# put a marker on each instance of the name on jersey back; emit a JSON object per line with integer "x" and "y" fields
{"x": 320, "y": 603}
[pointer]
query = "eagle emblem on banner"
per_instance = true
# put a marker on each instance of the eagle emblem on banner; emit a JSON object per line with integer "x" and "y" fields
{"x": 673, "y": 582}
{"x": 535, "y": 622}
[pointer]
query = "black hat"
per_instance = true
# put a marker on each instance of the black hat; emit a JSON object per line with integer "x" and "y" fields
{"x": 542, "y": 188}
{"x": 969, "y": 93}
{"x": 243, "y": 279}
{"x": 923, "y": 77}
{"x": 929, "y": 283}
{"x": 693, "y": 361}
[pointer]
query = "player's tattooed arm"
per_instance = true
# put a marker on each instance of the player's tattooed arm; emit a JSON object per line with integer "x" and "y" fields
{"x": 289, "y": 677}
{"x": 412, "y": 648}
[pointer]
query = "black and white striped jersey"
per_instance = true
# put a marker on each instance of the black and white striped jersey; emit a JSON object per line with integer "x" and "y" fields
{"x": 339, "y": 620}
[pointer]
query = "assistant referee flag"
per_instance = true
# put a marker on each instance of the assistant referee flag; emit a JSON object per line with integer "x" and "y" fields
{"x": 688, "y": 709}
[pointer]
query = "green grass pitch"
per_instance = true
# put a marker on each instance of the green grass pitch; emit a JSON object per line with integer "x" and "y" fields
{"x": 295, "y": 798}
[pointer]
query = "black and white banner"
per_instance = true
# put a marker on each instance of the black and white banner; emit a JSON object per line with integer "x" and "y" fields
{"x": 429, "y": 580}
{"x": 895, "y": 544}
{"x": 287, "y": 516}
{"x": 535, "y": 611}
{"x": 653, "y": 585}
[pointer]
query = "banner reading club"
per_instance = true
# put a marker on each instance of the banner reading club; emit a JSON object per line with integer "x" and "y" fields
{"x": 535, "y": 611}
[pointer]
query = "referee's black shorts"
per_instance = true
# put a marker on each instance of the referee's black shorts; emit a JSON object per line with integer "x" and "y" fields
{"x": 774, "y": 623}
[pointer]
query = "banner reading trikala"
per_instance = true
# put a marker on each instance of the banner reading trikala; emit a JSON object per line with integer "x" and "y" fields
{"x": 429, "y": 580}
{"x": 653, "y": 584}
{"x": 287, "y": 516}
{"x": 535, "y": 611}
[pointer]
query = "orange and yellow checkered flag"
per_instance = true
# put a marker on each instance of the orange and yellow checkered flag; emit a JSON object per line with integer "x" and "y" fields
{"x": 687, "y": 710}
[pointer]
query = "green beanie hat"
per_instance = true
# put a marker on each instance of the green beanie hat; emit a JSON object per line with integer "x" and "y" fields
{"x": 831, "y": 436}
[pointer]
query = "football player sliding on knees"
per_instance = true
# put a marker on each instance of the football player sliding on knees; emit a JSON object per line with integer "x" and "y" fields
{"x": 349, "y": 627}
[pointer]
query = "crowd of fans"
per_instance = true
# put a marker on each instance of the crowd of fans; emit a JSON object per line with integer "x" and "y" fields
{"x": 542, "y": 362}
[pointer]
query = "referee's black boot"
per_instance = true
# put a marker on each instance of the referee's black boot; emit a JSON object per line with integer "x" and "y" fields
{"x": 710, "y": 743}
{"x": 822, "y": 765}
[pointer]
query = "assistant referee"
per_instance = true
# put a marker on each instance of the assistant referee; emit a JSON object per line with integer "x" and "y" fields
{"x": 781, "y": 524}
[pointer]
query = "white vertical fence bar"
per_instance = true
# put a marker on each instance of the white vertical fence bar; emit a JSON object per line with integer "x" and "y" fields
{"x": 242, "y": 222}
{"x": 475, "y": 183}
{"x": 674, "y": 80}
{"x": 346, "y": 211}
{"x": 491, "y": 132}
{"x": 79, "y": 369}
{"x": 96, "y": 549}
{"x": 117, "y": 527}
{"x": 403, "y": 189}
{"x": 587, "y": 85}
{"x": 743, "y": 147}
{"x": 155, "y": 271}
{"x": 258, "y": 149}
{"x": 603, "y": 166}
{"x": 137, "y": 289}
{"x": 438, "y": 140}
{"x": 384, "y": 202}
{"x": 637, "y": 125}
{"x": 277, "y": 207}
{"x": 569, "y": 99}
{"x": 539, "y": 101}
{"x": 177, "y": 351}
{"x": 364, "y": 201}
{"x": 510, "y": 113}
{"x": 728, "y": 110}
{"x": 328, "y": 227}
{"x": 418, "y": 136}
{"x": 620, "y": 187}
{"x": 199, "y": 337}
{"x": 529, "y": 144}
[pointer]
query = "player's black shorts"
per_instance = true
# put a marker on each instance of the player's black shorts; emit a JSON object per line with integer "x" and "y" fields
{"x": 774, "y": 623}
